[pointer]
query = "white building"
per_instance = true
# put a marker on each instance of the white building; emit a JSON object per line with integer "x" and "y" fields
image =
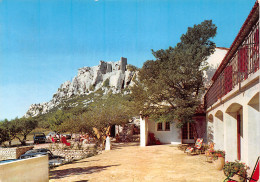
{"x": 167, "y": 132}
{"x": 232, "y": 101}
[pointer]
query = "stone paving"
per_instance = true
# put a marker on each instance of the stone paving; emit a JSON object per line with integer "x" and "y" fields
{"x": 130, "y": 162}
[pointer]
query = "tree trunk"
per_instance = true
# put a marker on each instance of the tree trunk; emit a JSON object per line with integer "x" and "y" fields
{"x": 21, "y": 141}
{"x": 24, "y": 140}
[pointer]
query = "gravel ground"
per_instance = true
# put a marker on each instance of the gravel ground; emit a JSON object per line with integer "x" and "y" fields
{"x": 129, "y": 162}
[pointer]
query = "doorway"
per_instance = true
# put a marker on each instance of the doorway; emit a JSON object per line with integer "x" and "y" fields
{"x": 239, "y": 136}
{"x": 113, "y": 131}
{"x": 187, "y": 133}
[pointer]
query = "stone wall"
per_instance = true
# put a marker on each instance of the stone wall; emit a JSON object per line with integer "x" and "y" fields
{"x": 13, "y": 153}
{"x": 21, "y": 150}
{"x": 74, "y": 154}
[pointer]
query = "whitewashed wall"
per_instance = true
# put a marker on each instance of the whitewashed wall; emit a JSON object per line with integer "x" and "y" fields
{"x": 244, "y": 101}
{"x": 143, "y": 131}
{"x": 168, "y": 137}
{"x": 33, "y": 169}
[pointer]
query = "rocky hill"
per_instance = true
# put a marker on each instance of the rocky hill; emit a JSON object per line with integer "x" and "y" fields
{"x": 107, "y": 76}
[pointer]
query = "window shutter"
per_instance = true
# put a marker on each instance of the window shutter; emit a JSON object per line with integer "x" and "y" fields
{"x": 243, "y": 61}
{"x": 256, "y": 50}
{"x": 228, "y": 79}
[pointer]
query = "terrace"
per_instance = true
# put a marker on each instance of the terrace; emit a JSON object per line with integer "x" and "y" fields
{"x": 129, "y": 162}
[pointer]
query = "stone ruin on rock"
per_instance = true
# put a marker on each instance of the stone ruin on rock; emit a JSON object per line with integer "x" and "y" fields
{"x": 108, "y": 76}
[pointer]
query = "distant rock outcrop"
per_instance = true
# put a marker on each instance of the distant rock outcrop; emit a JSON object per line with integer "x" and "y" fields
{"x": 108, "y": 76}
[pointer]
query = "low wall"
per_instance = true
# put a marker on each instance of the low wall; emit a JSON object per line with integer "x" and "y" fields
{"x": 33, "y": 169}
{"x": 73, "y": 154}
{"x": 14, "y": 152}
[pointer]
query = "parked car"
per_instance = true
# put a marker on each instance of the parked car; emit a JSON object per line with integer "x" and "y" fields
{"x": 53, "y": 159}
{"x": 39, "y": 138}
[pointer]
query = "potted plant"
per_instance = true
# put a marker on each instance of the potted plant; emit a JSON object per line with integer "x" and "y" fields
{"x": 219, "y": 159}
{"x": 236, "y": 170}
{"x": 218, "y": 154}
{"x": 209, "y": 150}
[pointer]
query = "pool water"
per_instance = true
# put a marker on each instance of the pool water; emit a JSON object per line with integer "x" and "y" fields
{"x": 6, "y": 161}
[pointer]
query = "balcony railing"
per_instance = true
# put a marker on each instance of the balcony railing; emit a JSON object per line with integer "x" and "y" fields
{"x": 244, "y": 63}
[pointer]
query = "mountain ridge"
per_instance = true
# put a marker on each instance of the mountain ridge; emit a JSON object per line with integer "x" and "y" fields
{"x": 107, "y": 76}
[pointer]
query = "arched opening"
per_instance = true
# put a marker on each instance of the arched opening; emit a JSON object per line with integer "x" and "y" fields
{"x": 210, "y": 128}
{"x": 254, "y": 102}
{"x": 234, "y": 129}
{"x": 219, "y": 115}
{"x": 210, "y": 118}
{"x": 219, "y": 130}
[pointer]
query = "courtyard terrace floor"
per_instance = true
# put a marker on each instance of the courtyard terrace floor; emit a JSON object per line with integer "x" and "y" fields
{"x": 130, "y": 162}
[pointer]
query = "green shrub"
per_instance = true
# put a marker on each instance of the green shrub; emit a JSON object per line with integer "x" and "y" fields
{"x": 92, "y": 88}
{"x": 106, "y": 83}
{"x": 131, "y": 67}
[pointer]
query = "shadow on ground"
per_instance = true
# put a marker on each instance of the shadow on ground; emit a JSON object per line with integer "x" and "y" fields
{"x": 121, "y": 145}
{"x": 77, "y": 171}
{"x": 80, "y": 161}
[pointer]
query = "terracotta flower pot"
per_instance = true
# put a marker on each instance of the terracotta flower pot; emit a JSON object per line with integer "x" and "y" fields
{"x": 219, "y": 163}
{"x": 237, "y": 178}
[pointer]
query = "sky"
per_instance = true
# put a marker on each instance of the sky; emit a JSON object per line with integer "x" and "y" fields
{"x": 44, "y": 42}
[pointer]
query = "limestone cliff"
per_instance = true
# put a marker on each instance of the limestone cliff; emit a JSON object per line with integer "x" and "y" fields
{"x": 108, "y": 76}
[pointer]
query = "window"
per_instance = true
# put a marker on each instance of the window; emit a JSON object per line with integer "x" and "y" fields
{"x": 159, "y": 126}
{"x": 167, "y": 126}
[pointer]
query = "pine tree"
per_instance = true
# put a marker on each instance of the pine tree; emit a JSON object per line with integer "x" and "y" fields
{"x": 169, "y": 88}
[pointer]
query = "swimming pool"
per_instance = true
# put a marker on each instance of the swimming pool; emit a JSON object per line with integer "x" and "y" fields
{"x": 6, "y": 161}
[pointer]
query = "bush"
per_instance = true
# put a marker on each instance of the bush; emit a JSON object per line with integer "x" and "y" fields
{"x": 92, "y": 88}
{"x": 237, "y": 167}
{"x": 131, "y": 67}
{"x": 106, "y": 83}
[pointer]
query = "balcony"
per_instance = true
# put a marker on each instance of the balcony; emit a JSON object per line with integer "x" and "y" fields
{"x": 242, "y": 64}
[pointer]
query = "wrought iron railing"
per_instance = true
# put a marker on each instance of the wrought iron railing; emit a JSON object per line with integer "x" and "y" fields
{"x": 244, "y": 63}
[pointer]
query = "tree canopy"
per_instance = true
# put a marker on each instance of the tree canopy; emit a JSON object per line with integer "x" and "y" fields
{"x": 16, "y": 128}
{"x": 10, "y": 129}
{"x": 102, "y": 112}
{"x": 170, "y": 87}
{"x": 25, "y": 126}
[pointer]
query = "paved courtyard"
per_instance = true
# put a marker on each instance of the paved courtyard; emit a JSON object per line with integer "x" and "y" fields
{"x": 129, "y": 162}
